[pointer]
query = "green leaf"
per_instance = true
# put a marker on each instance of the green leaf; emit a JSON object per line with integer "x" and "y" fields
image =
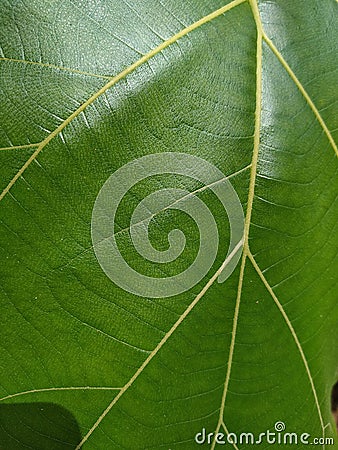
{"x": 88, "y": 87}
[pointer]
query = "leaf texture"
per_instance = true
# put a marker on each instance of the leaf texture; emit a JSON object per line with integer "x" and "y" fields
{"x": 249, "y": 86}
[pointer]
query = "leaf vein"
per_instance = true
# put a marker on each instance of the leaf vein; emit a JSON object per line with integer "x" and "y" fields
{"x": 294, "y": 335}
{"x": 253, "y": 175}
{"x": 68, "y": 388}
{"x": 161, "y": 343}
{"x": 56, "y": 67}
{"x": 16, "y": 147}
{"x": 114, "y": 80}
{"x": 302, "y": 90}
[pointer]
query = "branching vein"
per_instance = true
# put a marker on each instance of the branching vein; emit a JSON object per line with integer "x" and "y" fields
{"x": 162, "y": 342}
{"x": 113, "y": 81}
{"x": 246, "y": 251}
{"x": 249, "y": 210}
{"x": 294, "y": 335}
{"x": 302, "y": 90}
{"x": 244, "y": 242}
{"x": 56, "y": 389}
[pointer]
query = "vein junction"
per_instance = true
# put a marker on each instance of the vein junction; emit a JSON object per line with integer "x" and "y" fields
{"x": 244, "y": 242}
{"x": 246, "y": 250}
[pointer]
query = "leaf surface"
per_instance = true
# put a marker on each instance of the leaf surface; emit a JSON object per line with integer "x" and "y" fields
{"x": 88, "y": 87}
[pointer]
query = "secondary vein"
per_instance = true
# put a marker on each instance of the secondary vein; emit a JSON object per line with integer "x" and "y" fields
{"x": 253, "y": 174}
{"x": 302, "y": 90}
{"x": 56, "y": 389}
{"x": 56, "y": 67}
{"x": 293, "y": 333}
{"x": 113, "y": 81}
{"x": 161, "y": 343}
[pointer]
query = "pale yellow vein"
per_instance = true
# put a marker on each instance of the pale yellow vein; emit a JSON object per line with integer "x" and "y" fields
{"x": 114, "y": 80}
{"x": 53, "y": 66}
{"x": 68, "y": 388}
{"x": 258, "y": 112}
{"x": 227, "y": 433}
{"x": 249, "y": 209}
{"x": 152, "y": 215}
{"x": 17, "y": 147}
{"x": 302, "y": 90}
{"x": 232, "y": 347}
{"x": 179, "y": 200}
{"x": 293, "y": 333}
{"x": 246, "y": 251}
{"x": 162, "y": 342}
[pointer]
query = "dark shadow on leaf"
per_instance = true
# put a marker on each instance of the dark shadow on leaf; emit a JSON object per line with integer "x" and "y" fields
{"x": 38, "y": 426}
